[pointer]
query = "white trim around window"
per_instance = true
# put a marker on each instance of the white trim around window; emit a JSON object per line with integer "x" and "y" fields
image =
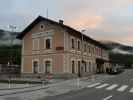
{"x": 79, "y": 49}
{"x": 38, "y": 71}
{"x": 72, "y": 46}
{"x": 43, "y": 66}
{"x": 73, "y": 59}
{"x": 78, "y": 60}
{"x": 33, "y": 43}
{"x": 44, "y": 41}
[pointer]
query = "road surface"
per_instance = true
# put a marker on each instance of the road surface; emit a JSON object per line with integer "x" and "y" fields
{"x": 119, "y": 87}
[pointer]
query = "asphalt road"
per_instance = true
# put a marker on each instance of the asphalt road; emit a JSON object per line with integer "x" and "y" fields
{"x": 119, "y": 87}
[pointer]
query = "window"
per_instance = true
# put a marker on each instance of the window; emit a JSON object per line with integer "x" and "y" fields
{"x": 93, "y": 50}
{"x": 47, "y": 66}
{"x": 35, "y": 66}
{"x": 35, "y": 45}
{"x": 79, "y": 67}
{"x": 89, "y": 49}
{"x": 48, "y": 44}
{"x": 85, "y": 66}
{"x": 41, "y": 26}
{"x": 96, "y": 51}
{"x": 85, "y": 47}
{"x": 89, "y": 67}
{"x": 73, "y": 66}
{"x": 78, "y": 45}
{"x": 100, "y": 52}
{"x": 72, "y": 43}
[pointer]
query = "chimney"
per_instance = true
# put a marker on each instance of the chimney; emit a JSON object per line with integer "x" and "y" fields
{"x": 60, "y": 21}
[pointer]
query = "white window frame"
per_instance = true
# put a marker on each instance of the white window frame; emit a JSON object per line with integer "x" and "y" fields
{"x": 71, "y": 42}
{"x": 73, "y": 59}
{"x": 80, "y": 65}
{"x": 44, "y": 41}
{"x": 79, "y": 50}
{"x": 38, "y": 65}
{"x": 33, "y": 43}
{"x": 51, "y": 69}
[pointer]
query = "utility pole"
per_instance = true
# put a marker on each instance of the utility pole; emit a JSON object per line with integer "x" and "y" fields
{"x": 47, "y": 13}
{"x": 82, "y": 50}
{"x": 12, "y": 27}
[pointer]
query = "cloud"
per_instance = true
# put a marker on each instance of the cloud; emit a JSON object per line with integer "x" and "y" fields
{"x": 85, "y": 21}
{"x": 103, "y": 19}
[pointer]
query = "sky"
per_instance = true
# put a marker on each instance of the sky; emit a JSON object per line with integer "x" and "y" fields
{"x": 110, "y": 20}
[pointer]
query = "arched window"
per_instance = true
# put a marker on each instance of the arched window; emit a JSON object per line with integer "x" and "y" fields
{"x": 85, "y": 69}
{"x": 35, "y": 66}
{"x": 72, "y": 43}
{"x": 48, "y": 44}
{"x": 89, "y": 67}
{"x": 47, "y": 66}
{"x": 85, "y": 47}
{"x": 78, "y": 45}
{"x": 73, "y": 66}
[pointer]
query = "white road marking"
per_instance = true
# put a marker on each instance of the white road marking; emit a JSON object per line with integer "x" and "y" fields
{"x": 112, "y": 87}
{"x": 101, "y": 86}
{"x": 107, "y": 98}
{"x": 93, "y": 85}
{"x": 122, "y": 88}
{"x": 131, "y": 91}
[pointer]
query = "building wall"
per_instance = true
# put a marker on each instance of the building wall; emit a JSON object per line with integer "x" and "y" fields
{"x": 39, "y": 52}
{"x": 61, "y": 53}
{"x": 92, "y": 53}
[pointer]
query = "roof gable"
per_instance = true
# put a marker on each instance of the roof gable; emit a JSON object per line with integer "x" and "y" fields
{"x": 67, "y": 28}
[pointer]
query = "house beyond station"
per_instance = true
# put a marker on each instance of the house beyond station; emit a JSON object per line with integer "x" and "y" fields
{"x": 50, "y": 47}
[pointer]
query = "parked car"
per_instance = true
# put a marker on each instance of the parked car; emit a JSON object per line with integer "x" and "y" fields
{"x": 115, "y": 70}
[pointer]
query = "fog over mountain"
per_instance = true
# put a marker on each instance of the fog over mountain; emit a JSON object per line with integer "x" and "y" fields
{"x": 8, "y": 38}
{"x": 118, "y": 48}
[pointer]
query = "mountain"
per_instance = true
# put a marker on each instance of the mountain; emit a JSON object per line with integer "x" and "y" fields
{"x": 120, "y": 53}
{"x": 8, "y": 37}
{"x": 118, "y": 48}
